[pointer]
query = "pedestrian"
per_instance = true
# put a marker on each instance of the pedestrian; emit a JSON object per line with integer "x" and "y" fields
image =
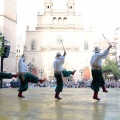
{"x": 96, "y": 64}
{"x": 59, "y": 73}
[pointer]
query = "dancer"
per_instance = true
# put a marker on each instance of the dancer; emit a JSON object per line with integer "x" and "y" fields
{"x": 25, "y": 77}
{"x": 59, "y": 72}
{"x": 22, "y": 67}
{"x": 96, "y": 64}
{"x": 10, "y": 75}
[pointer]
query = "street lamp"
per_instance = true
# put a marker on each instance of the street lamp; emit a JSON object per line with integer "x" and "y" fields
{"x": 4, "y": 52}
{"x": 81, "y": 71}
{"x": 30, "y": 67}
{"x": 41, "y": 71}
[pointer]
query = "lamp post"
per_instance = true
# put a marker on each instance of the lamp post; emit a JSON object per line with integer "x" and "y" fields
{"x": 30, "y": 67}
{"x": 2, "y": 45}
{"x": 81, "y": 71}
{"x": 4, "y": 53}
{"x": 41, "y": 71}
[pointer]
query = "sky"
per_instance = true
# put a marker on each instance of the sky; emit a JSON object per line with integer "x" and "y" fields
{"x": 102, "y": 15}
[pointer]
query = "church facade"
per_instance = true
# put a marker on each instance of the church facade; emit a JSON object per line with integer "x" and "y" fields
{"x": 43, "y": 43}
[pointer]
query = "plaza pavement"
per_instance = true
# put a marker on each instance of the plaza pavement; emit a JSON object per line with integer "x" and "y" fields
{"x": 77, "y": 104}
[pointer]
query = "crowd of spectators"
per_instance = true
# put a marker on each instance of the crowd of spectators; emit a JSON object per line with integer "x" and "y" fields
{"x": 13, "y": 84}
{"x": 67, "y": 84}
{"x": 112, "y": 83}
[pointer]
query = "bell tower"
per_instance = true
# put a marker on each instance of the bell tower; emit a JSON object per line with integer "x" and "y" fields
{"x": 70, "y": 7}
{"x": 48, "y": 7}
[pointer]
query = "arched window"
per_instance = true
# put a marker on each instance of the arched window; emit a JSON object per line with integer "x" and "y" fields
{"x": 86, "y": 45}
{"x": 59, "y": 20}
{"x": 54, "y": 20}
{"x": 64, "y": 20}
{"x": 33, "y": 45}
{"x": 48, "y": 7}
{"x": 70, "y": 7}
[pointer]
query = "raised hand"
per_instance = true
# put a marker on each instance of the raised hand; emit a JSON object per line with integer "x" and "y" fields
{"x": 64, "y": 53}
{"x": 110, "y": 46}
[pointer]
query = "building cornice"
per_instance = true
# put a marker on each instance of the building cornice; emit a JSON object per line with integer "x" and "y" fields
{"x": 56, "y": 48}
{"x": 65, "y": 27}
{"x": 9, "y": 18}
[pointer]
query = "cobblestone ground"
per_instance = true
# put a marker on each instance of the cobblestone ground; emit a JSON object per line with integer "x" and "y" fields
{"x": 76, "y": 104}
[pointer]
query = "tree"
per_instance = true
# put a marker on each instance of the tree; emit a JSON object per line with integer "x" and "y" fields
{"x": 110, "y": 67}
{"x": 1, "y": 48}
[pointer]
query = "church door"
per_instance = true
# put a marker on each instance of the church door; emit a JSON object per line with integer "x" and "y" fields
{"x": 86, "y": 74}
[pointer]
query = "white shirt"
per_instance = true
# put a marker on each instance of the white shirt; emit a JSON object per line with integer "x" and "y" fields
{"x": 20, "y": 60}
{"x": 22, "y": 67}
{"x": 96, "y": 59}
{"x": 57, "y": 64}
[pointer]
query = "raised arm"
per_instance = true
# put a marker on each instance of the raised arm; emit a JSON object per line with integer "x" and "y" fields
{"x": 64, "y": 53}
{"x": 105, "y": 53}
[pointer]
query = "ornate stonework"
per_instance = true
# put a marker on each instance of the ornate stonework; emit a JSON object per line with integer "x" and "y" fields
{"x": 57, "y": 48}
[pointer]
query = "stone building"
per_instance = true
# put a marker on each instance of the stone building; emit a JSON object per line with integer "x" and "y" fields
{"x": 8, "y": 22}
{"x": 42, "y": 44}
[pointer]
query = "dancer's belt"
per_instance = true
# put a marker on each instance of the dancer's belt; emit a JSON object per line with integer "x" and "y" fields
{"x": 57, "y": 72}
{"x": 94, "y": 67}
{"x": 21, "y": 75}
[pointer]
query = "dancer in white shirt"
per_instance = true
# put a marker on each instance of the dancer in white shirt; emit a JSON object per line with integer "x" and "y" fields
{"x": 96, "y": 64}
{"x": 59, "y": 72}
{"x": 25, "y": 76}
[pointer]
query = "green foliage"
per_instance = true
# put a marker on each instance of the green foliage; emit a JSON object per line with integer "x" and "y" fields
{"x": 111, "y": 68}
{"x": 1, "y": 48}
